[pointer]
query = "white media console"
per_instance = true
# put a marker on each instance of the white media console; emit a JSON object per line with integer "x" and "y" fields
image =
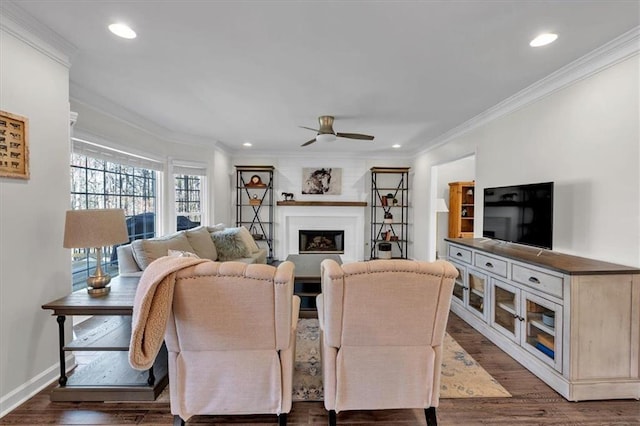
{"x": 573, "y": 322}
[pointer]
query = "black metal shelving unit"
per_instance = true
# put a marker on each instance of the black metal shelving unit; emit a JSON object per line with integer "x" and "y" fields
{"x": 255, "y": 204}
{"x": 393, "y": 181}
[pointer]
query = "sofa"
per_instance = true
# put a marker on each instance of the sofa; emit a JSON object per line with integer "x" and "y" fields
{"x": 219, "y": 243}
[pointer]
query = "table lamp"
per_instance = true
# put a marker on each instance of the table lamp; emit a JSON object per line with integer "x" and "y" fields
{"x": 95, "y": 228}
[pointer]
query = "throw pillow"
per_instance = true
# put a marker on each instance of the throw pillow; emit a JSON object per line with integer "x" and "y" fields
{"x": 200, "y": 240}
{"x": 179, "y": 253}
{"x": 216, "y": 227}
{"x": 146, "y": 251}
{"x": 248, "y": 240}
{"x": 230, "y": 245}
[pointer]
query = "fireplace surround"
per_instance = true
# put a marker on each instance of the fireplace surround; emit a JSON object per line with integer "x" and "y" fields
{"x": 320, "y": 241}
{"x": 349, "y": 218}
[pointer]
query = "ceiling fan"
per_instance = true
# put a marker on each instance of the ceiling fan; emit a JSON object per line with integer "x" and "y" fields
{"x": 327, "y": 134}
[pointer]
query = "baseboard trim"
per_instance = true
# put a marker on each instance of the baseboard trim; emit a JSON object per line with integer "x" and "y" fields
{"x": 22, "y": 393}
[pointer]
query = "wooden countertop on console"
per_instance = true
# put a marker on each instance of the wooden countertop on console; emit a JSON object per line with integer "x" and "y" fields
{"x": 565, "y": 263}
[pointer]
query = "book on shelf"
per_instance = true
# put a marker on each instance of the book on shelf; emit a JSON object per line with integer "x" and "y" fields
{"x": 547, "y": 341}
{"x": 545, "y": 350}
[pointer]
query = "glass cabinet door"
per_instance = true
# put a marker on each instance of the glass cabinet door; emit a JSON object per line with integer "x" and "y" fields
{"x": 477, "y": 284}
{"x": 505, "y": 315}
{"x": 543, "y": 328}
{"x": 459, "y": 286}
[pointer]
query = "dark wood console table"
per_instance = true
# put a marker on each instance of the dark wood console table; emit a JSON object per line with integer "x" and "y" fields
{"x": 109, "y": 377}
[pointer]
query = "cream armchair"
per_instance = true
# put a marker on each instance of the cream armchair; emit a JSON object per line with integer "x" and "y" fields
{"x": 231, "y": 340}
{"x": 382, "y": 329}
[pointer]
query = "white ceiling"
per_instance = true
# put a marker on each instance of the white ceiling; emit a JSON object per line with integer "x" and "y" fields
{"x": 253, "y": 71}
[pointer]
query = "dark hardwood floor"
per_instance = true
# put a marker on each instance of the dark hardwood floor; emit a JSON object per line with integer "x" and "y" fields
{"x": 533, "y": 403}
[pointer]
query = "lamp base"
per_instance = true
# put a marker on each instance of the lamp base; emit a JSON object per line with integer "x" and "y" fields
{"x": 97, "y": 285}
{"x": 98, "y": 291}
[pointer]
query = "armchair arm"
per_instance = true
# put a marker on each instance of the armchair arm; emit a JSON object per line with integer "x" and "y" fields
{"x": 332, "y": 304}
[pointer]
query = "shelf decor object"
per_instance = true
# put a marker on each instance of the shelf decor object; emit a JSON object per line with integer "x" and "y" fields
{"x": 255, "y": 204}
{"x": 389, "y": 212}
{"x": 95, "y": 228}
{"x": 14, "y": 146}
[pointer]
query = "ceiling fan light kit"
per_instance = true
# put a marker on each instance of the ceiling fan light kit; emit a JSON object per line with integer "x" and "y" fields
{"x": 326, "y": 137}
{"x": 327, "y": 134}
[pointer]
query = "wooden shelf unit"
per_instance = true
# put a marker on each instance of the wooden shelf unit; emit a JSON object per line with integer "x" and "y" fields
{"x": 255, "y": 204}
{"x": 461, "y": 209}
{"x": 392, "y": 181}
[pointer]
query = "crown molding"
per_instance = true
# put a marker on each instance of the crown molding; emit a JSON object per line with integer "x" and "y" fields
{"x": 101, "y": 104}
{"x": 21, "y": 25}
{"x": 607, "y": 55}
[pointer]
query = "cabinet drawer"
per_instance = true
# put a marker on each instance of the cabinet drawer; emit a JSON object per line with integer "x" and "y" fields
{"x": 538, "y": 280}
{"x": 460, "y": 254}
{"x": 491, "y": 264}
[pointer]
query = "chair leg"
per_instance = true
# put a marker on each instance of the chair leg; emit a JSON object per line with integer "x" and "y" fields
{"x": 177, "y": 421}
{"x": 282, "y": 419}
{"x": 430, "y": 414}
{"x": 332, "y": 417}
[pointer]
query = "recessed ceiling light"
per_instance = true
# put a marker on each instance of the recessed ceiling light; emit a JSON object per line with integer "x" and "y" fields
{"x": 396, "y": 146}
{"x": 122, "y": 30}
{"x": 543, "y": 39}
{"x": 247, "y": 144}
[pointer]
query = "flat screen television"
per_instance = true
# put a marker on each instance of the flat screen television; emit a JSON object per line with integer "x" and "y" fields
{"x": 520, "y": 214}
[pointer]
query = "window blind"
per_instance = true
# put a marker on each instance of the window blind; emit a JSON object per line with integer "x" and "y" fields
{"x": 101, "y": 152}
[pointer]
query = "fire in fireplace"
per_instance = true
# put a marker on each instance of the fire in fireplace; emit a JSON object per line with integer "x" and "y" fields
{"x": 320, "y": 241}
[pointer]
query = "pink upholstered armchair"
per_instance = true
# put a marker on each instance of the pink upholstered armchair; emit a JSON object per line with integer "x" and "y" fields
{"x": 231, "y": 340}
{"x": 382, "y": 328}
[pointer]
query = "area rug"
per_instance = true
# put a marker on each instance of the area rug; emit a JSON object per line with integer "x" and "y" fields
{"x": 462, "y": 376}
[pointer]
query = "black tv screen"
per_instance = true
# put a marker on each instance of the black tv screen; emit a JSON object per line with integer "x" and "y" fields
{"x": 520, "y": 214}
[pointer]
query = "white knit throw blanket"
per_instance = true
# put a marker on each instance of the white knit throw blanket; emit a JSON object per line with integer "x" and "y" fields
{"x": 151, "y": 308}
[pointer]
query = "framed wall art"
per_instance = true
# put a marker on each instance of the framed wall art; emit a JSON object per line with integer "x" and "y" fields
{"x": 323, "y": 180}
{"x": 14, "y": 146}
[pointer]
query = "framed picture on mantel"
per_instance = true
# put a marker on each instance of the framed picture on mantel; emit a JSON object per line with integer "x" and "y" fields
{"x": 14, "y": 146}
{"x": 325, "y": 180}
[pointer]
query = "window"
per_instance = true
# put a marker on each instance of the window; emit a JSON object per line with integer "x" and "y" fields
{"x": 100, "y": 183}
{"x": 188, "y": 201}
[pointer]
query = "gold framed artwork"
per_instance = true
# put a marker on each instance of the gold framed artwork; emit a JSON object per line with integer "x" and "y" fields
{"x": 14, "y": 146}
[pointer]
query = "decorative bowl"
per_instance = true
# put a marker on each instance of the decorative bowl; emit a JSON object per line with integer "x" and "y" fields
{"x": 549, "y": 319}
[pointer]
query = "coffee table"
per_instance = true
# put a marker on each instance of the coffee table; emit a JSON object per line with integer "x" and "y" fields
{"x": 307, "y": 279}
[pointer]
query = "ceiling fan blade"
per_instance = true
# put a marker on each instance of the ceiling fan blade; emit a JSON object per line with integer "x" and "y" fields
{"x": 309, "y": 128}
{"x": 355, "y": 136}
{"x": 309, "y": 143}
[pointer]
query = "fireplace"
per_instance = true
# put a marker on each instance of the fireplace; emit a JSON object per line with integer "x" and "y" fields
{"x": 320, "y": 241}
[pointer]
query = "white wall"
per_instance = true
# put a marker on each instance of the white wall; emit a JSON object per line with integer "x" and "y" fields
{"x": 585, "y": 138}
{"x": 34, "y": 268}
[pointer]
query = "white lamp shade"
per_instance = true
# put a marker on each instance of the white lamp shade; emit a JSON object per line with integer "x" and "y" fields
{"x": 441, "y": 206}
{"x": 326, "y": 137}
{"x": 94, "y": 228}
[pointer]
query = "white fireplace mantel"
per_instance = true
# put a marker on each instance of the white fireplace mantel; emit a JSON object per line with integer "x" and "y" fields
{"x": 295, "y": 217}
